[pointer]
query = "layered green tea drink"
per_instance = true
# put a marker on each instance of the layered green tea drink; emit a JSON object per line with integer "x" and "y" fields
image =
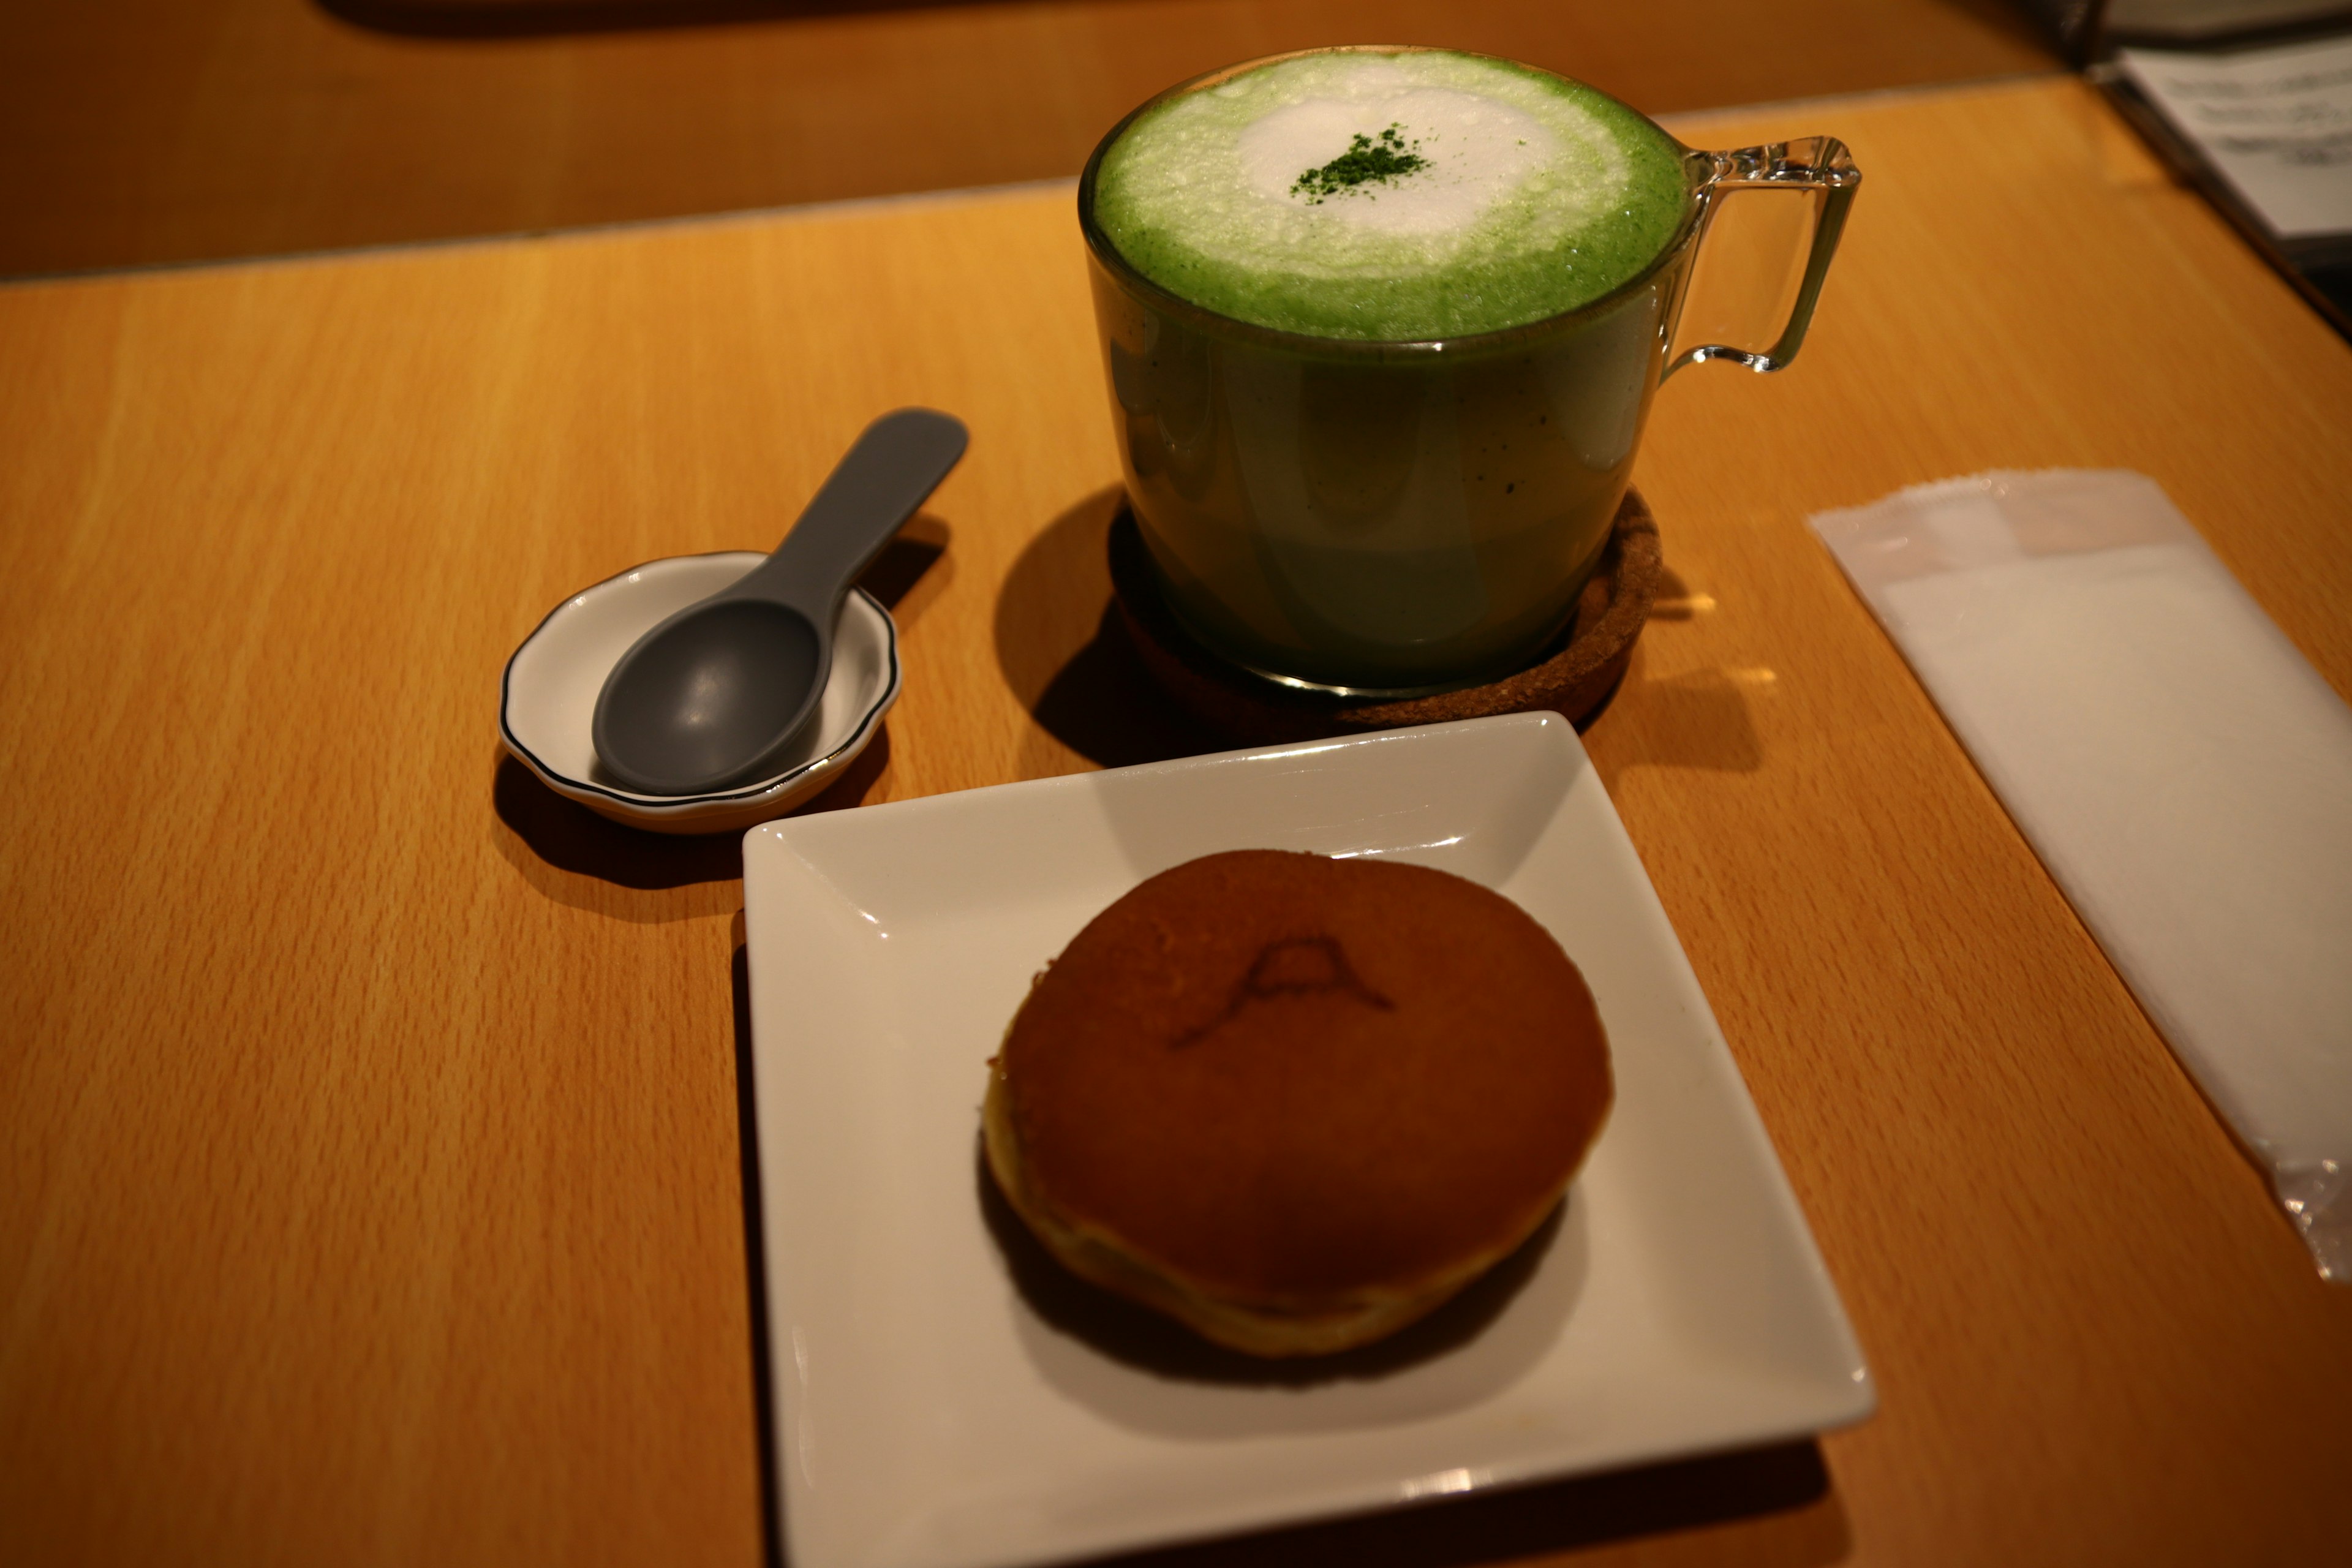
{"x": 1382, "y": 326}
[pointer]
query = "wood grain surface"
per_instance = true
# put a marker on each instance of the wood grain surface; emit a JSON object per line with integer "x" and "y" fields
{"x": 154, "y": 131}
{"x": 371, "y": 1185}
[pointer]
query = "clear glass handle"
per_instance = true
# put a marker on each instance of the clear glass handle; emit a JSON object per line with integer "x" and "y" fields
{"x": 1760, "y": 262}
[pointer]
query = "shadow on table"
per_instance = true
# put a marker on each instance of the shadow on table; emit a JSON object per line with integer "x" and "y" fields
{"x": 1700, "y": 719}
{"x": 1783, "y": 1491}
{"x": 755, "y": 1259}
{"x": 1061, "y": 649}
{"x": 913, "y": 569}
{"x": 526, "y": 18}
{"x": 577, "y": 857}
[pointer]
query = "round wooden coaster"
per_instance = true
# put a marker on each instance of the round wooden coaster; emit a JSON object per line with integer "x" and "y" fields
{"x": 1582, "y": 669}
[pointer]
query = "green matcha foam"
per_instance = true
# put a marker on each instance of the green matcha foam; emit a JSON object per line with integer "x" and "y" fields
{"x": 1389, "y": 197}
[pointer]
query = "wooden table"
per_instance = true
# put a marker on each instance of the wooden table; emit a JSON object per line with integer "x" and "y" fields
{"x": 155, "y": 131}
{"x": 370, "y": 1183}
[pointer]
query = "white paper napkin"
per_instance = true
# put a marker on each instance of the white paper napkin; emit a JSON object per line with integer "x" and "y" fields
{"x": 2181, "y": 770}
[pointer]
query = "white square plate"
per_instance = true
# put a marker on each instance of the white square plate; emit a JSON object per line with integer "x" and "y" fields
{"x": 930, "y": 1417}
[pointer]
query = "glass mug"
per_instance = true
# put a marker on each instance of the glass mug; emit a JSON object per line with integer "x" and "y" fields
{"x": 1394, "y": 518}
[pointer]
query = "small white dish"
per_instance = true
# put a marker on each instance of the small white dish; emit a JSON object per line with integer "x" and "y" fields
{"x": 548, "y": 696}
{"x": 933, "y": 1415}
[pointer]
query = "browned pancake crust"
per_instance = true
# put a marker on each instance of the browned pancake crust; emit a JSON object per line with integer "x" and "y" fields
{"x": 1285, "y": 1080}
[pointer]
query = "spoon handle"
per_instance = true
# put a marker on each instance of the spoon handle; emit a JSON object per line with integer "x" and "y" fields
{"x": 871, "y": 494}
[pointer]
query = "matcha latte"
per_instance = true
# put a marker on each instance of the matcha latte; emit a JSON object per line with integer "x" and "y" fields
{"x": 1389, "y": 197}
{"x": 1380, "y": 326}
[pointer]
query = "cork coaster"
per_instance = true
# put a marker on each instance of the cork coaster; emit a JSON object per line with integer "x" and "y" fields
{"x": 1582, "y": 669}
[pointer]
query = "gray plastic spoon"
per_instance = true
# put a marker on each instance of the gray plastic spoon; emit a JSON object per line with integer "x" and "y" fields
{"x": 714, "y": 696}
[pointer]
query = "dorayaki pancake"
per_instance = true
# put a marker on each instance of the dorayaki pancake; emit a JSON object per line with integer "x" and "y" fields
{"x": 1296, "y": 1102}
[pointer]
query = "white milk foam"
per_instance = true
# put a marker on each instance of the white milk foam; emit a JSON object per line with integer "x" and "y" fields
{"x": 1479, "y": 150}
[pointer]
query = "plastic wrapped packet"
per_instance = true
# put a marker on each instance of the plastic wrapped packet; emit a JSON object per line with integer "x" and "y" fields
{"x": 2181, "y": 768}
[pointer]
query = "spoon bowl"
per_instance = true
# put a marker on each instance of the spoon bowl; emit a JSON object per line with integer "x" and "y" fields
{"x": 712, "y": 685}
{"x": 714, "y": 695}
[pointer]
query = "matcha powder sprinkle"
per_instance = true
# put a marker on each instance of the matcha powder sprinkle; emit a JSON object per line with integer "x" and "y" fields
{"x": 1368, "y": 161}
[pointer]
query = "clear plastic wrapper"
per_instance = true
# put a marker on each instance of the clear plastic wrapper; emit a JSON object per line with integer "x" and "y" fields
{"x": 2178, "y": 766}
